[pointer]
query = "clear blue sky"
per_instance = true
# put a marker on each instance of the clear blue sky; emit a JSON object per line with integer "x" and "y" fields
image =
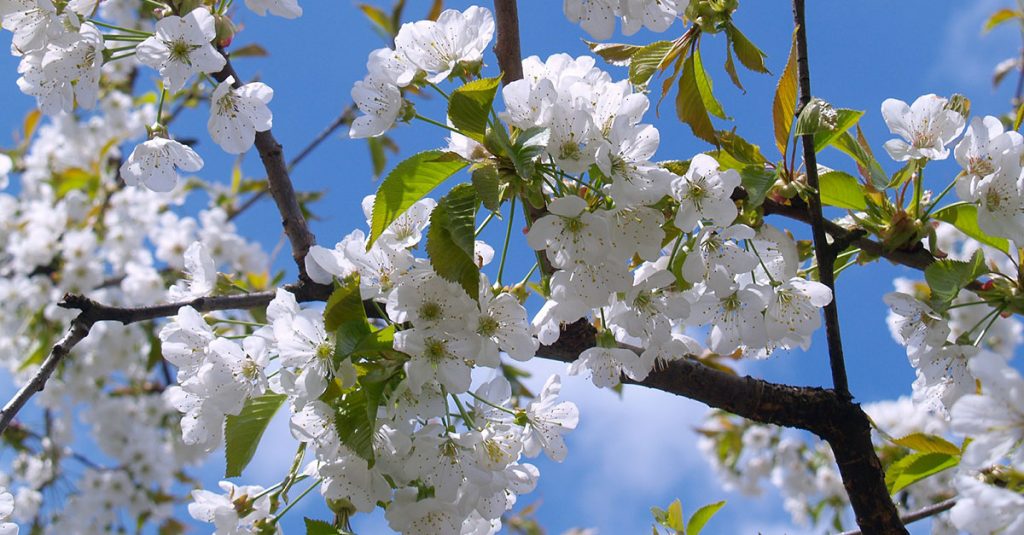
{"x": 627, "y": 454}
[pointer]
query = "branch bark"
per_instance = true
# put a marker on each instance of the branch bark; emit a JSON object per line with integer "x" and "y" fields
{"x": 280, "y": 185}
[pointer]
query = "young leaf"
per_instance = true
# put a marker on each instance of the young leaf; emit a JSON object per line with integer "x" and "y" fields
{"x": 320, "y": 527}
{"x": 706, "y": 88}
{"x": 947, "y": 277}
{"x": 616, "y": 54}
{"x": 749, "y": 55}
{"x": 407, "y": 183}
{"x": 999, "y": 17}
{"x": 926, "y": 443}
{"x": 915, "y": 467}
{"x": 869, "y": 168}
{"x": 690, "y": 104}
{"x": 845, "y": 119}
{"x": 965, "y": 218}
{"x": 841, "y": 190}
{"x": 701, "y": 517}
{"x": 242, "y": 433}
{"x": 756, "y": 181}
{"x": 451, "y": 239}
{"x": 784, "y": 104}
{"x": 730, "y": 65}
{"x": 471, "y": 104}
{"x": 645, "y": 62}
{"x": 674, "y": 519}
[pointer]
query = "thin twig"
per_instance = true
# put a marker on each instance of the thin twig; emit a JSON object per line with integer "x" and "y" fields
{"x": 346, "y": 117}
{"x": 920, "y": 514}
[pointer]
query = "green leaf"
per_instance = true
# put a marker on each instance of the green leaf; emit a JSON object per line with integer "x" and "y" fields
{"x": 965, "y": 218}
{"x": 616, "y": 54}
{"x": 845, "y": 119}
{"x": 999, "y": 17}
{"x": 915, "y": 467}
{"x": 242, "y": 433}
{"x": 869, "y": 168}
{"x": 320, "y": 527}
{"x": 486, "y": 182}
{"x": 1019, "y": 117}
{"x": 674, "y": 518}
{"x": 841, "y": 190}
{"x": 380, "y": 20}
{"x": 701, "y": 517}
{"x": 784, "y": 104}
{"x": 646, "y": 61}
{"x": 757, "y": 181}
{"x": 947, "y": 277}
{"x": 451, "y": 239}
{"x": 706, "y": 88}
{"x": 740, "y": 149}
{"x": 690, "y": 106}
{"x": 926, "y": 443}
{"x": 253, "y": 50}
{"x": 381, "y": 340}
{"x": 903, "y": 174}
{"x": 749, "y": 55}
{"x": 345, "y": 305}
{"x": 407, "y": 183}
{"x": 356, "y": 417}
{"x": 470, "y": 105}
{"x": 730, "y": 65}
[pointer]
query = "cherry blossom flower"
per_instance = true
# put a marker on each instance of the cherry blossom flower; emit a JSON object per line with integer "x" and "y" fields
{"x": 237, "y": 114}
{"x": 704, "y": 193}
{"x": 547, "y": 420}
{"x": 201, "y": 274}
{"x": 222, "y": 510}
{"x": 926, "y": 127}
{"x": 181, "y": 47}
{"x": 437, "y": 47}
{"x": 380, "y": 101}
{"x": 153, "y": 164}
{"x": 6, "y": 510}
{"x": 288, "y": 9}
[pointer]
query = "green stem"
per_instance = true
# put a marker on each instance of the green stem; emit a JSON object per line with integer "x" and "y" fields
{"x": 492, "y": 405}
{"x": 131, "y": 38}
{"x": 296, "y": 500}
{"x": 160, "y": 106}
{"x": 918, "y": 191}
{"x": 465, "y": 414}
{"x": 439, "y": 90}
{"x": 935, "y": 202}
{"x": 530, "y": 273}
{"x": 984, "y": 331}
{"x": 240, "y": 322}
{"x": 508, "y": 238}
{"x": 119, "y": 28}
{"x": 441, "y": 125}
{"x": 483, "y": 225}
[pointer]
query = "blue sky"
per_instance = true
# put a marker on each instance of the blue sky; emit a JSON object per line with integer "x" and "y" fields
{"x": 630, "y": 453}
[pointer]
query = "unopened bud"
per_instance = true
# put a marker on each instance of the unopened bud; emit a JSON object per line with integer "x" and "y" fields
{"x": 225, "y": 30}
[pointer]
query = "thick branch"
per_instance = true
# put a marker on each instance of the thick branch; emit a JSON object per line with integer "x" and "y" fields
{"x": 280, "y": 186}
{"x": 510, "y": 57}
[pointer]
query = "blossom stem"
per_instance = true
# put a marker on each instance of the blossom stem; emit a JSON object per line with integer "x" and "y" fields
{"x": 133, "y": 38}
{"x": 160, "y": 106}
{"x": 961, "y": 305}
{"x": 995, "y": 316}
{"x": 240, "y": 322}
{"x": 492, "y": 405}
{"x": 465, "y": 414}
{"x": 934, "y": 203}
{"x": 918, "y": 190}
{"x": 483, "y": 225}
{"x": 120, "y": 29}
{"x": 508, "y": 238}
{"x": 675, "y": 251}
{"x": 530, "y": 273}
{"x": 439, "y": 90}
{"x": 750, "y": 243}
{"x": 296, "y": 500}
{"x": 441, "y": 125}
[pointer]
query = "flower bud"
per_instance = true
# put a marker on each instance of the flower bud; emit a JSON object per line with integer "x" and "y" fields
{"x": 225, "y": 31}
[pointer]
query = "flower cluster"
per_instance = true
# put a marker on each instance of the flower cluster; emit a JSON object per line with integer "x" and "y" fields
{"x": 597, "y": 17}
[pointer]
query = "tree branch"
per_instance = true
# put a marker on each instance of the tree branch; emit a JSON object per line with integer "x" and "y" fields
{"x": 849, "y": 433}
{"x": 280, "y": 186}
{"x": 510, "y": 57}
{"x": 826, "y": 256}
{"x": 920, "y": 514}
{"x": 92, "y": 312}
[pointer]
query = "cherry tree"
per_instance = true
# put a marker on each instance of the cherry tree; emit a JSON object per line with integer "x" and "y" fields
{"x": 397, "y": 350}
